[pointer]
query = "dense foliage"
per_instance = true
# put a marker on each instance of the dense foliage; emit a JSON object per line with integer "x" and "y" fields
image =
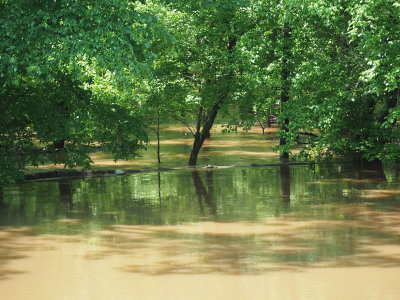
{"x": 67, "y": 69}
{"x": 345, "y": 79}
{"x": 78, "y": 74}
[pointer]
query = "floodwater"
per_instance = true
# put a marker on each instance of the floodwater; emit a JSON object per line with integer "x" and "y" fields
{"x": 278, "y": 232}
{"x": 242, "y": 148}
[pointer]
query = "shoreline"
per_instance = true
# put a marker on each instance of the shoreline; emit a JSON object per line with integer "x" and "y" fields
{"x": 62, "y": 173}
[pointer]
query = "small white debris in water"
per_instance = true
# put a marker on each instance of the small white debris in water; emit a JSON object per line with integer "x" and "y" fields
{"x": 119, "y": 172}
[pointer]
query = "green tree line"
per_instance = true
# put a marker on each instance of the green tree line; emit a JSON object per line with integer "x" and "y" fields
{"x": 81, "y": 74}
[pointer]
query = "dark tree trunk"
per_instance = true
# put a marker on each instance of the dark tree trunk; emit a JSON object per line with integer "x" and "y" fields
{"x": 202, "y": 133}
{"x": 195, "y": 150}
{"x": 208, "y": 118}
{"x": 285, "y": 73}
{"x": 64, "y": 114}
{"x": 59, "y": 144}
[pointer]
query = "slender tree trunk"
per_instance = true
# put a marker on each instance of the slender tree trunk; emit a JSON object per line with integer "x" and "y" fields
{"x": 285, "y": 73}
{"x": 261, "y": 125}
{"x": 158, "y": 137}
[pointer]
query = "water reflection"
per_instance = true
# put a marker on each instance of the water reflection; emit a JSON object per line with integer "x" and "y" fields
{"x": 262, "y": 223}
{"x": 66, "y": 193}
{"x": 285, "y": 182}
{"x": 1, "y": 199}
{"x": 167, "y": 197}
{"x": 372, "y": 172}
{"x": 255, "y": 248}
{"x": 329, "y": 236}
{"x": 159, "y": 187}
{"x": 204, "y": 194}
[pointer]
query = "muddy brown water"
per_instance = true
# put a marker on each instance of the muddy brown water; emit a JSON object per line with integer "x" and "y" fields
{"x": 276, "y": 232}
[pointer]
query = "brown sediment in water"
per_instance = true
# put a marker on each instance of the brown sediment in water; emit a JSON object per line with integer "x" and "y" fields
{"x": 286, "y": 257}
{"x": 373, "y": 193}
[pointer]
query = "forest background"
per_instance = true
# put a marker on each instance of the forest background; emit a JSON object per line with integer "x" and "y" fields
{"x": 78, "y": 75}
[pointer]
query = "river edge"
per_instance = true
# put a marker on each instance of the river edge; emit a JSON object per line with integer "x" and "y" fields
{"x": 62, "y": 173}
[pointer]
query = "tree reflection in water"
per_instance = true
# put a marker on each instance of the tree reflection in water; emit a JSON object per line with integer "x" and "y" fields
{"x": 1, "y": 199}
{"x": 276, "y": 218}
{"x": 159, "y": 188}
{"x": 285, "y": 182}
{"x": 203, "y": 193}
{"x": 66, "y": 194}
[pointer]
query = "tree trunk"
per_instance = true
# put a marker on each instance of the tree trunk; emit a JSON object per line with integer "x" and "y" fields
{"x": 202, "y": 133}
{"x": 59, "y": 144}
{"x": 158, "y": 137}
{"x": 285, "y": 73}
{"x": 195, "y": 150}
{"x": 261, "y": 125}
{"x": 209, "y": 118}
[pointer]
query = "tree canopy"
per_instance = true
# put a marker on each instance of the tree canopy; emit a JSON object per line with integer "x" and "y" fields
{"x": 68, "y": 71}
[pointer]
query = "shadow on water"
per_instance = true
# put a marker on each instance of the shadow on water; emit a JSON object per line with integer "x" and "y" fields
{"x": 256, "y": 248}
{"x": 13, "y": 247}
